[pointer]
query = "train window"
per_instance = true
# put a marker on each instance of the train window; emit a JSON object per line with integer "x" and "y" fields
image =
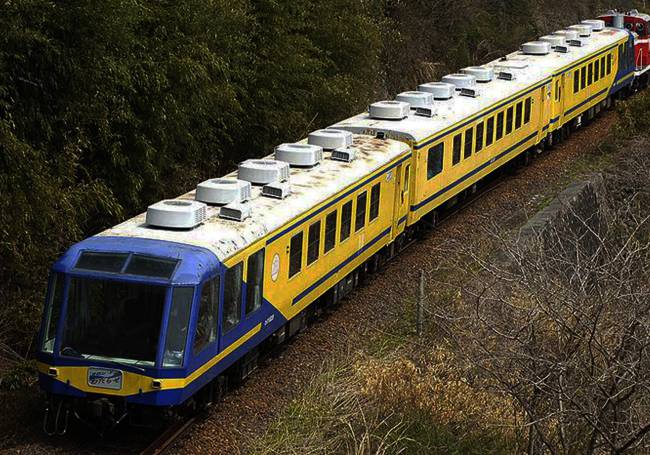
{"x": 435, "y": 160}
{"x": 175, "y": 338}
{"x": 590, "y": 74}
{"x": 469, "y": 142}
{"x": 576, "y": 81}
{"x": 255, "y": 281}
{"x": 597, "y": 70}
{"x": 519, "y": 115}
{"x": 479, "y": 136}
{"x": 583, "y": 77}
{"x": 528, "y": 108}
{"x": 640, "y": 29}
{"x": 602, "y": 67}
{"x": 499, "y": 125}
{"x": 52, "y": 312}
{"x": 330, "y": 231}
{"x": 375, "y": 194}
{"x": 101, "y": 262}
{"x": 346, "y": 221}
{"x": 509, "y": 119}
{"x": 458, "y": 139}
{"x": 489, "y": 132}
{"x": 313, "y": 243}
{"x": 232, "y": 297}
{"x": 295, "y": 254}
{"x": 150, "y": 266}
{"x": 610, "y": 58}
{"x": 114, "y": 319}
{"x": 206, "y": 324}
{"x": 362, "y": 201}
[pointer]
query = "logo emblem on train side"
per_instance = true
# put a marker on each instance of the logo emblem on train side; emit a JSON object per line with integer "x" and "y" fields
{"x": 275, "y": 267}
{"x": 105, "y": 378}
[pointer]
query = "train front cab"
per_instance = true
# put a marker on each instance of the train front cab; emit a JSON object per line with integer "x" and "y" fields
{"x": 134, "y": 323}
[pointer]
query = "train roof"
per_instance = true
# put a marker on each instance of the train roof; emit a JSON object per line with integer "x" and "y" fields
{"x": 538, "y": 68}
{"x": 309, "y": 188}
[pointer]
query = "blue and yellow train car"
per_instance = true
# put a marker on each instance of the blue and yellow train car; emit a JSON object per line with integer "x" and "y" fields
{"x": 150, "y": 312}
{"x": 162, "y": 310}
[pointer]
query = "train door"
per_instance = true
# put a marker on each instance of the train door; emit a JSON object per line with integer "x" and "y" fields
{"x": 558, "y": 101}
{"x": 402, "y": 199}
{"x": 243, "y": 293}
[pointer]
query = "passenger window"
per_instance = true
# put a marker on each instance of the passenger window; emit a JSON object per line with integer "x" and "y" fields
{"x": 596, "y": 70}
{"x": 519, "y": 115}
{"x": 590, "y": 74}
{"x": 295, "y": 254}
{"x": 499, "y": 126}
{"x": 469, "y": 142}
{"x": 479, "y": 137}
{"x": 330, "y": 231}
{"x": 489, "y": 139}
{"x": 576, "y": 81}
{"x": 313, "y": 243}
{"x": 206, "y": 325}
{"x": 362, "y": 199}
{"x": 458, "y": 139}
{"x": 375, "y": 194}
{"x": 176, "y": 336}
{"x": 346, "y": 220}
{"x": 528, "y": 107}
{"x": 232, "y": 297}
{"x": 609, "y": 64}
{"x": 435, "y": 160}
{"x": 509, "y": 119}
{"x": 602, "y": 67}
{"x": 255, "y": 282}
{"x": 583, "y": 77}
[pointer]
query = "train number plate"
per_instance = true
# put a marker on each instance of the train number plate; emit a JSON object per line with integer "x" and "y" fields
{"x": 105, "y": 378}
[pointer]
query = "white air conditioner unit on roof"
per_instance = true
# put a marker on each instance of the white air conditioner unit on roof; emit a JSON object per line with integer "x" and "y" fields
{"x": 330, "y": 138}
{"x": 299, "y": 155}
{"x": 223, "y": 191}
{"x": 176, "y": 214}
{"x": 261, "y": 172}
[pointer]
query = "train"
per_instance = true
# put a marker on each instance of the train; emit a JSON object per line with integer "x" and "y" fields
{"x": 160, "y": 314}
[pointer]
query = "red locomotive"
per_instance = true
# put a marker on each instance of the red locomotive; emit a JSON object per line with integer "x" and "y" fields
{"x": 637, "y": 23}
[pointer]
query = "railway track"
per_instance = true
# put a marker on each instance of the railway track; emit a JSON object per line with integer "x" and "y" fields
{"x": 167, "y": 438}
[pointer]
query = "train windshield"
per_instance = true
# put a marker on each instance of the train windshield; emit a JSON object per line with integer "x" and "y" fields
{"x": 113, "y": 320}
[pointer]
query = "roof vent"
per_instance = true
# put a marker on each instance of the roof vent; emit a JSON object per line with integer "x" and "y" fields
{"x": 235, "y": 211}
{"x": 261, "y": 172}
{"x": 481, "y": 73}
{"x": 176, "y": 214}
{"x": 506, "y": 75}
{"x": 389, "y": 110}
{"x": 597, "y": 25}
{"x": 554, "y": 40}
{"x": 583, "y": 30}
{"x": 223, "y": 191}
{"x": 277, "y": 190}
{"x": 416, "y": 99}
{"x": 330, "y": 139}
{"x": 299, "y": 155}
{"x": 440, "y": 90}
{"x": 424, "y": 112}
{"x": 562, "y": 49}
{"x": 536, "y": 48}
{"x": 460, "y": 80}
{"x": 470, "y": 92}
{"x": 346, "y": 155}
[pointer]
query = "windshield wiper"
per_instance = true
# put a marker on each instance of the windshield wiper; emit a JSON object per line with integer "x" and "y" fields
{"x": 72, "y": 352}
{"x": 124, "y": 365}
